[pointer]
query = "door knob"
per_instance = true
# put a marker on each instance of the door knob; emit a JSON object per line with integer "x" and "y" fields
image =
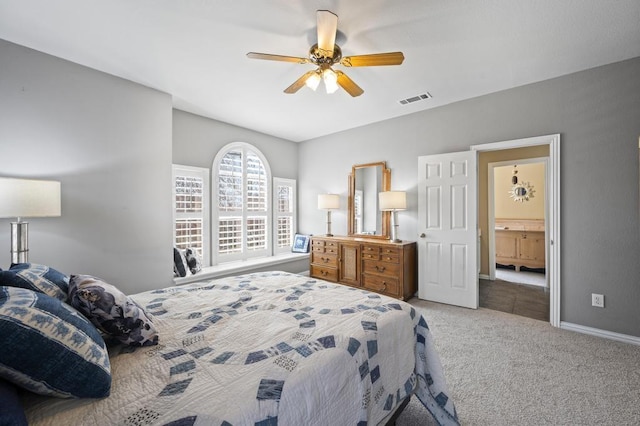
{"x": 423, "y": 235}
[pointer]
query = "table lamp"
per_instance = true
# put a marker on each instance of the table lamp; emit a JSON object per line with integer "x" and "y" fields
{"x": 328, "y": 202}
{"x": 23, "y": 198}
{"x": 392, "y": 201}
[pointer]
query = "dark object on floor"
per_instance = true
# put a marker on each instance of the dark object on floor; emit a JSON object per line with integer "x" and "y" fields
{"x": 536, "y": 270}
{"x": 501, "y": 266}
{"x": 392, "y": 420}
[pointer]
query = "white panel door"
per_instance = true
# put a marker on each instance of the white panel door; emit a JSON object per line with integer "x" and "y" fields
{"x": 447, "y": 226}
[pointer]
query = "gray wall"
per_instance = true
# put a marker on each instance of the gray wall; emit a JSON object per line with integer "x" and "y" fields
{"x": 109, "y": 142}
{"x": 597, "y": 113}
{"x": 197, "y": 140}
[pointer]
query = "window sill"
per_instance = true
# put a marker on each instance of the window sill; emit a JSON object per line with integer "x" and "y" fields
{"x": 234, "y": 268}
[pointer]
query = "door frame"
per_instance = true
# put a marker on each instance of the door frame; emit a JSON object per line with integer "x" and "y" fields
{"x": 553, "y": 209}
{"x": 492, "y": 214}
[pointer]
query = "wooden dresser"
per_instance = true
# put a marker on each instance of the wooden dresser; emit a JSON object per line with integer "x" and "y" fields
{"x": 520, "y": 242}
{"x": 372, "y": 264}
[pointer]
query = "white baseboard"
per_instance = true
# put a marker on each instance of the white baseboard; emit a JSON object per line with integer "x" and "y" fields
{"x": 600, "y": 333}
{"x": 483, "y": 277}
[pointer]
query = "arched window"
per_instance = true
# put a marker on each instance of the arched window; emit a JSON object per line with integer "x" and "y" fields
{"x": 241, "y": 189}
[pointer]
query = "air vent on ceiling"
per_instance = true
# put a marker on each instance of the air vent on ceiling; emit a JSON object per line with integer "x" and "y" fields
{"x": 412, "y": 99}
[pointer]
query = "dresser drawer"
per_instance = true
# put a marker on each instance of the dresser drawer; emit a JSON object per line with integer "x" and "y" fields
{"x": 390, "y": 258}
{"x": 390, "y": 251}
{"x": 324, "y": 259}
{"x": 324, "y": 246}
{"x": 381, "y": 284}
{"x": 370, "y": 252}
{"x": 325, "y": 273}
{"x": 331, "y": 247}
{"x": 381, "y": 268}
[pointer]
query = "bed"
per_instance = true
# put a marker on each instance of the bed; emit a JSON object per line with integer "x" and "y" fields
{"x": 269, "y": 348}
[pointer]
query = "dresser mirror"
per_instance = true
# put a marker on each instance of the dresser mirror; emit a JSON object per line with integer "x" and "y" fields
{"x": 365, "y": 218}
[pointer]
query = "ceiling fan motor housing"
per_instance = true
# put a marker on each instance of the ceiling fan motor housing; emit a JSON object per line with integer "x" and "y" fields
{"x": 319, "y": 57}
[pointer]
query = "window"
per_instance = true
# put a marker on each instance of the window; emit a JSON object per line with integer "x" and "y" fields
{"x": 191, "y": 209}
{"x": 251, "y": 215}
{"x": 241, "y": 200}
{"x": 284, "y": 214}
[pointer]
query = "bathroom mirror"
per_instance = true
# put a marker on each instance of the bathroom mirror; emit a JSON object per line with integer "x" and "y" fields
{"x": 365, "y": 218}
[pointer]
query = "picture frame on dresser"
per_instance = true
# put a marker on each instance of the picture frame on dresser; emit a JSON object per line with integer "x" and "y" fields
{"x": 300, "y": 243}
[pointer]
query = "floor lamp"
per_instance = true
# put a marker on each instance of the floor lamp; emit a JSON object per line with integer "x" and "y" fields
{"x": 392, "y": 201}
{"x": 23, "y": 198}
{"x": 328, "y": 202}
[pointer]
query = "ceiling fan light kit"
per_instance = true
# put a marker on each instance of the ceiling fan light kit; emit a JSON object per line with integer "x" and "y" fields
{"x": 327, "y": 53}
{"x": 313, "y": 81}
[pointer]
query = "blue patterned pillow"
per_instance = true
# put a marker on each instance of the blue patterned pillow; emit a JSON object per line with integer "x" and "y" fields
{"x": 112, "y": 311}
{"x": 47, "y": 347}
{"x": 40, "y": 278}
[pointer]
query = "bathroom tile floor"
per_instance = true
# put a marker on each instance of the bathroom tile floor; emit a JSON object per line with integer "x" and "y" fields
{"x": 519, "y": 299}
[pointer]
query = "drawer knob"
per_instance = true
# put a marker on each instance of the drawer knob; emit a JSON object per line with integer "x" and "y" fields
{"x": 384, "y": 286}
{"x": 380, "y": 268}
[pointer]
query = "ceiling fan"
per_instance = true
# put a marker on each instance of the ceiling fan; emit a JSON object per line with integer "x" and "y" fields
{"x": 326, "y": 53}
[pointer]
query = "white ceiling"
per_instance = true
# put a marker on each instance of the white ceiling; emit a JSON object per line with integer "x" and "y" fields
{"x": 195, "y": 50}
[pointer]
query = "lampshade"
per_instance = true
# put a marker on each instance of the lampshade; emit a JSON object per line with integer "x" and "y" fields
{"x": 29, "y": 198}
{"x": 392, "y": 200}
{"x": 313, "y": 81}
{"x": 328, "y": 201}
{"x": 330, "y": 80}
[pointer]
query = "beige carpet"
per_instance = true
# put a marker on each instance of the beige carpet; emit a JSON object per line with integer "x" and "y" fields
{"x": 503, "y": 369}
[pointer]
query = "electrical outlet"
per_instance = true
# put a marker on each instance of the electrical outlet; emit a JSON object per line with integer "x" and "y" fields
{"x": 597, "y": 300}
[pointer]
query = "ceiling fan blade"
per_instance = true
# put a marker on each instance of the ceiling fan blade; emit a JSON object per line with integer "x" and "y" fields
{"x": 281, "y": 58}
{"x": 327, "y": 28}
{"x": 391, "y": 58}
{"x": 348, "y": 85}
{"x": 297, "y": 85}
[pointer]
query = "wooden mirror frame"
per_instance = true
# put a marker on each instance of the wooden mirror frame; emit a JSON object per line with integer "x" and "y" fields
{"x": 385, "y": 215}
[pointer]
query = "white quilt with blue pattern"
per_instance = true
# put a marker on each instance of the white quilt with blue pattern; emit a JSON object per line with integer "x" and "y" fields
{"x": 266, "y": 349}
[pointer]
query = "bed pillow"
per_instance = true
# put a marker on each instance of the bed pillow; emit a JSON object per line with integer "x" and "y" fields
{"x": 11, "y": 413}
{"x": 49, "y": 348}
{"x": 180, "y": 265}
{"x": 40, "y": 278}
{"x": 112, "y": 311}
{"x": 193, "y": 260}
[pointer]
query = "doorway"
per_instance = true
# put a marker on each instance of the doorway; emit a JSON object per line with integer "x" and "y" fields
{"x": 517, "y": 214}
{"x": 551, "y": 219}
